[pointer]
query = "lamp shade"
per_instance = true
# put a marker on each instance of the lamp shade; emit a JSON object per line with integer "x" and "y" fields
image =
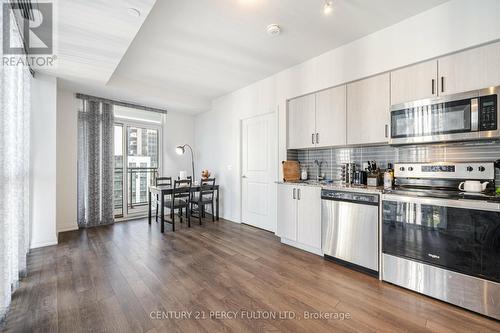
{"x": 180, "y": 150}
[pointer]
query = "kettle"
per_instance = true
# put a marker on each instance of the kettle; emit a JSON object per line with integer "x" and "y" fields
{"x": 472, "y": 186}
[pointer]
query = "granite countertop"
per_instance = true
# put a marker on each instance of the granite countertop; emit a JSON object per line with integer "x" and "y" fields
{"x": 336, "y": 186}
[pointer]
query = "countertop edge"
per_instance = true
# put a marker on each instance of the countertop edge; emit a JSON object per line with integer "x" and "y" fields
{"x": 340, "y": 187}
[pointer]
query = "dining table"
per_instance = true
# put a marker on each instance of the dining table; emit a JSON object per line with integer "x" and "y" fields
{"x": 165, "y": 190}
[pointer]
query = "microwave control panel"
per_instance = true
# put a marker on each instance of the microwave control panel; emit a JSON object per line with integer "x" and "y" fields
{"x": 488, "y": 115}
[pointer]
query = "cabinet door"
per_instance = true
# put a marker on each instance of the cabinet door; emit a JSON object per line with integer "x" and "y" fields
{"x": 309, "y": 216}
{"x": 287, "y": 212}
{"x": 331, "y": 117}
{"x": 301, "y": 122}
{"x": 368, "y": 110}
{"x": 414, "y": 82}
{"x": 470, "y": 70}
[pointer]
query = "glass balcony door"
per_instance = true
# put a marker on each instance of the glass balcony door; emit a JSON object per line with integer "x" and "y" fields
{"x": 136, "y": 167}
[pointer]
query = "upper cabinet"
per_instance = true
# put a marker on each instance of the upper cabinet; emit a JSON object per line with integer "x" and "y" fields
{"x": 359, "y": 112}
{"x": 470, "y": 70}
{"x": 368, "y": 104}
{"x": 301, "y": 122}
{"x": 317, "y": 120}
{"x": 331, "y": 117}
{"x": 414, "y": 82}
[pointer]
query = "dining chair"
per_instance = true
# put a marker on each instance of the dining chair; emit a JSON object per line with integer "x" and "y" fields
{"x": 185, "y": 196}
{"x": 204, "y": 197}
{"x": 161, "y": 181}
{"x": 179, "y": 200}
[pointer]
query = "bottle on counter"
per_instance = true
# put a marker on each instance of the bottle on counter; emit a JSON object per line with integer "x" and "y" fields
{"x": 303, "y": 173}
{"x": 388, "y": 177}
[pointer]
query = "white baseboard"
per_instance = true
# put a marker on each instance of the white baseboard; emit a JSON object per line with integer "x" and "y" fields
{"x": 304, "y": 247}
{"x": 37, "y": 245}
{"x": 67, "y": 228}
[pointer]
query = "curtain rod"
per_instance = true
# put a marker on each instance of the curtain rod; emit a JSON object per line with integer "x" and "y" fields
{"x": 120, "y": 103}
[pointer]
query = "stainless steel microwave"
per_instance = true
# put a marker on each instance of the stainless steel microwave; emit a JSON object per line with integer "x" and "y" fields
{"x": 466, "y": 116}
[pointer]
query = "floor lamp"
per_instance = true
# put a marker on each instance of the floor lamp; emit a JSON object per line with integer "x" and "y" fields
{"x": 180, "y": 150}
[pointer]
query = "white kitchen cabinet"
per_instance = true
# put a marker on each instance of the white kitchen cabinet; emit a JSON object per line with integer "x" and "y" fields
{"x": 287, "y": 212}
{"x": 414, "y": 82}
{"x": 301, "y": 122}
{"x": 299, "y": 216}
{"x": 368, "y": 103}
{"x": 309, "y": 216}
{"x": 331, "y": 117}
{"x": 470, "y": 70}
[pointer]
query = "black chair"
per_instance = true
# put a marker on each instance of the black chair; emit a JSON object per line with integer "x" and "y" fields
{"x": 185, "y": 196}
{"x": 180, "y": 200}
{"x": 161, "y": 181}
{"x": 204, "y": 197}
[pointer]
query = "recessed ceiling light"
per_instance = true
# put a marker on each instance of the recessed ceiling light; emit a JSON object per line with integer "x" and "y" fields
{"x": 273, "y": 30}
{"x": 134, "y": 12}
{"x": 328, "y": 7}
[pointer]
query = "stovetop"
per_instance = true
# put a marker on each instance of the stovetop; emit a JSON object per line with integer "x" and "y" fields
{"x": 444, "y": 193}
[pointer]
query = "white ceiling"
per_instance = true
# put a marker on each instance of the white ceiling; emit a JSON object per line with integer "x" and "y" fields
{"x": 189, "y": 52}
{"x": 91, "y": 36}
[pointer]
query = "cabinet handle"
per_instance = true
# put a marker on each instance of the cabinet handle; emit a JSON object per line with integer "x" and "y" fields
{"x": 442, "y": 83}
{"x": 312, "y": 138}
{"x": 386, "y": 130}
{"x": 317, "y": 137}
{"x": 433, "y": 86}
{"x": 298, "y": 194}
{"x": 293, "y": 194}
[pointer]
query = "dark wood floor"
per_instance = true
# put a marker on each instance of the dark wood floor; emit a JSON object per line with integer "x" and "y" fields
{"x": 110, "y": 279}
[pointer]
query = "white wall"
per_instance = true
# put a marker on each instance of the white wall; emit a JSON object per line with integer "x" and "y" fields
{"x": 66, "y": 181}
{"x": 450, "y": 27}
{"x": 43, "y": 161}
{"x": 178, "y": 129}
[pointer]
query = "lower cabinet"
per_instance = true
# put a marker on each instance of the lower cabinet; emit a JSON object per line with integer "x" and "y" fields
{"x": 299, "y": 216}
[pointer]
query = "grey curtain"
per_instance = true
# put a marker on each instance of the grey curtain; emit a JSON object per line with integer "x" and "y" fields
{"x": 95, "y": 164}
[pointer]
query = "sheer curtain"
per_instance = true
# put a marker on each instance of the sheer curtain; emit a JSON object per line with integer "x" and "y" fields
{"x": 15, "y": 82}
{"x": 95, "y": 164}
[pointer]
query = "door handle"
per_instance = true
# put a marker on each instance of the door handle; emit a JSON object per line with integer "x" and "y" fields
{"x": 298, "y": 194}
{"x": 293, "y": 194}
{"x": 312, "y": 138}
{"x": 433, "y": 86}
{"x": 317, "y": 137}
{"x": 244, "y": 176}
{"x": 386, "y": 130}
{"x": 442, "y": 83}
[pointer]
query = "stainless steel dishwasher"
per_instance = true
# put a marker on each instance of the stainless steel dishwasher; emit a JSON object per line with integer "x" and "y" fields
{"x": 350, "y": 228}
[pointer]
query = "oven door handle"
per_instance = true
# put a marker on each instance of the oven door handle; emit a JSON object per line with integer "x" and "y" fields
{"x": 458, "y": 203}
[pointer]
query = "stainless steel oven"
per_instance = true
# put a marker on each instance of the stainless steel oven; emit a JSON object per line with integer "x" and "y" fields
{"x": 445, "y": 248}
{"x": 467, "y": 116}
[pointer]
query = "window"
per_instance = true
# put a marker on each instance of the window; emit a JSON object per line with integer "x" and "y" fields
{"x": 137, "y": 158}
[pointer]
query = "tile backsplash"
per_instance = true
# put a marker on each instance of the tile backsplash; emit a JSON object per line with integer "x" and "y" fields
{"x": 332, "y": 158}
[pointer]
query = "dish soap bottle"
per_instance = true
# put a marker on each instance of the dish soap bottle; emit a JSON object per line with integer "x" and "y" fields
{"x": 303, "y": 173}
{"x": 388, "y": 177}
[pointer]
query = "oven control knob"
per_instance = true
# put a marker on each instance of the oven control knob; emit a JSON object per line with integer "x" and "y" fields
{"x": 402, "y": 169}
{"x": 469, "y": 168}
{"x": 410, "y": 168}
{"x": 481, "y": 168}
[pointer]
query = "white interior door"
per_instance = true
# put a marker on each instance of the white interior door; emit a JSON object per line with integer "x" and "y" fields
{"x": 259, "y": 163}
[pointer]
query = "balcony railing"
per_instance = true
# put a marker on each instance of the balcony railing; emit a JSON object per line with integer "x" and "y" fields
{"x": 139, "y": 179}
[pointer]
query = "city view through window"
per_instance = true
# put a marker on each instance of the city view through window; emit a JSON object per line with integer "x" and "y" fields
{"x": 139, "y": 147}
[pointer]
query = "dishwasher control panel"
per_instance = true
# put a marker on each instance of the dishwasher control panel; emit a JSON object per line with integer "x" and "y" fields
{"x": 367, "y": 198}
